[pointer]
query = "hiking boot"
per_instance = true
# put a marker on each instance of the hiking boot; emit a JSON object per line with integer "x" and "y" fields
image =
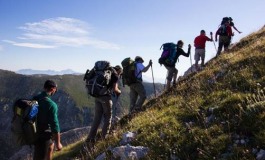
{"x": 174, "y": 83}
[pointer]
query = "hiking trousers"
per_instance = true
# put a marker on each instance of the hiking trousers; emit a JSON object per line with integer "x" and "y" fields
{"x": 224, "y": 41}
{"x": 103, "y": 109}
{"x": 137, "y": 96}
{"x": 171, "y": 72}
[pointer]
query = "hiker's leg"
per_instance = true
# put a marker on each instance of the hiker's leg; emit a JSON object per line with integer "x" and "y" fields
{"x": 39, "y": 150}
{"x": 196, "y": 58}
{"x": 97, "y": 119}
{"x": 133, "y": 97}
{"x": 107, "y": 112}
{"x": 168, "y": 78}
{"x": 49, "y": 151}
{"x": 168, "y": 85}
{"x": 221, "y": 44}
{"x": 42, "y": 145}
{"x": 175, "y": 74}
{"x": 170, "y": 74}
{"x": 142, "y": 95}
{"x": 226, "y": 43}
{"x": 203, "y": 57}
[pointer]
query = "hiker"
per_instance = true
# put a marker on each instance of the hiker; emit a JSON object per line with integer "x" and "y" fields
{"x": 137, "y": 90}
{"x": 199, "y": 44}
{"x": 172, "y": 71}
{"x": 103, "y": 108}
{"x": 233, "y": 25}
{"x": 115, "y": 99}
{"x": 48, "y": 128}
{"x": 225, "y": 34}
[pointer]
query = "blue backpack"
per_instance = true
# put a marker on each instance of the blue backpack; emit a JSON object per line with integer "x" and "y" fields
{"x": 168, "y": 55}
{"x": 23, "y": 125}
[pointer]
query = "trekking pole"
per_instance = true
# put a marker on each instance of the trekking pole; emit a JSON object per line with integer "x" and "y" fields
{"x": 153, "y": 80}
{"x": 211, "y": 33}
{"x": 190, "y": 63}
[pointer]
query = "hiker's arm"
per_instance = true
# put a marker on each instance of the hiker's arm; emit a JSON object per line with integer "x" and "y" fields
{"x": 237, "y": 29}
{"x": 180, "y": 51}
{"x": 189, "y": 47}
{"x": 57, "y": 139}
{"x": 54, "y": 122}
{"x": 210, "y": 39}
{"x": 148, "y": 66}
{"x": 116, "y": 89}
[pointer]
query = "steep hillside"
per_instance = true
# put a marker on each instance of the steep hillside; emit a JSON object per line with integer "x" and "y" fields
{"x": 217, "y": 113}
{"x": 76, "y": 108}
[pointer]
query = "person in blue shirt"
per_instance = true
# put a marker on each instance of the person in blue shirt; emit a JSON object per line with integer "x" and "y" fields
{"x": 137, "y": 90}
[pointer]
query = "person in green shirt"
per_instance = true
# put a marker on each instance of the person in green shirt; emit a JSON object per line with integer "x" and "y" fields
{"x": 48, "y": 128}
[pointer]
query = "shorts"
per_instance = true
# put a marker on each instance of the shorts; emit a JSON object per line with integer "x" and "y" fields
{"x": 199, "y": 54}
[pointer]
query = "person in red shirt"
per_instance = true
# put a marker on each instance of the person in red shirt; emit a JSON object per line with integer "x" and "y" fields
{"x": 199, "y": 44}
{"x": 225, "y": 34}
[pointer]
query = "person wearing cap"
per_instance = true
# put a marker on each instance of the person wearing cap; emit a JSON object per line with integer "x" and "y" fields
{"x": 48, "y": 128}
{"x": 199, "y": 44}
{"x": 137, "y": 90}
{"x": 172, "y": 71}
{"x": 103, "y": 109}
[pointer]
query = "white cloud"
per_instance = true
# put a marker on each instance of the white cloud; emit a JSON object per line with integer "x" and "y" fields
{"x": 29, "y": 45}
{"x": 58, "y": 32}
{"x": 1, "y": 48}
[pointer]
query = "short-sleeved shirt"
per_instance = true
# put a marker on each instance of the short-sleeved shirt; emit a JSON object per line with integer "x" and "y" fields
{"x": 138, "y": 71}
{"x": 199, "y": 41}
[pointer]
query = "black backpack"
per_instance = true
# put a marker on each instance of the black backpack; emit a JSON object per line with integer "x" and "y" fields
{"x": 129, "y": 68}
{"x": 222, "y": 30}
{"x": 23, "y": 125}
{"x": 224, "y": 20}
{"x": 98, "y": 79}
{"x": 168, "y": 55}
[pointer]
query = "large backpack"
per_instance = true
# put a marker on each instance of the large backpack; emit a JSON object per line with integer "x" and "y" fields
{"x": 224, "y": 20}
{"x": 98, "y": 79}
{"x": 23, "y": 125}
{"x": 222, "y": 30}
{"x": 168, "y": 55}
{"x": 129, "y": 68}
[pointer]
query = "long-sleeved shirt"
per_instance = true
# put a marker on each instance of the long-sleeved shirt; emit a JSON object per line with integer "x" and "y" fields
{"x": 47, "y": 118}
{"x": 180, "y": 51}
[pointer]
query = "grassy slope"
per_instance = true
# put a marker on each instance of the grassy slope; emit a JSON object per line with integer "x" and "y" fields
{"x": 231, "y": 89}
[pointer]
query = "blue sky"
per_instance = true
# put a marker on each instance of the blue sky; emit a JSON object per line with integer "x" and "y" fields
{"x": 68, "y": 34}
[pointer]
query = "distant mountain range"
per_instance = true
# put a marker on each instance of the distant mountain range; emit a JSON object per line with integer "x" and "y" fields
{"x": 47, "y": 72}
